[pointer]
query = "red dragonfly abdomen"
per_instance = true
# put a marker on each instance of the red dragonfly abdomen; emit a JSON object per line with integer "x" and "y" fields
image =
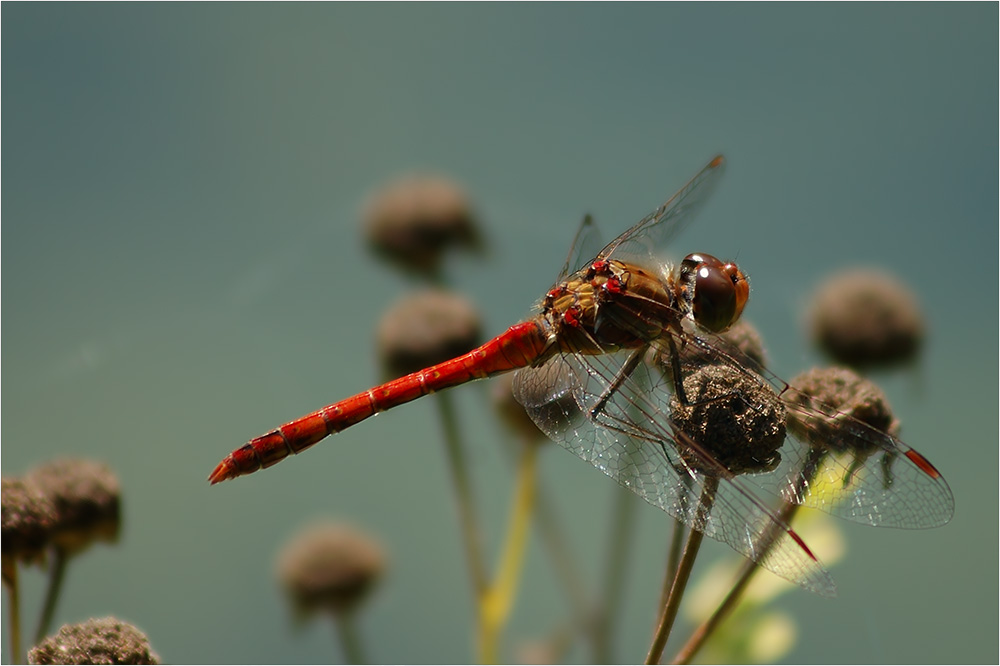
{"x": 517, "y": 347}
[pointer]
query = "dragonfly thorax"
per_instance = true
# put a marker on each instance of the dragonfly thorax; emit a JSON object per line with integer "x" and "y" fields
{"x": 610, "y": 305}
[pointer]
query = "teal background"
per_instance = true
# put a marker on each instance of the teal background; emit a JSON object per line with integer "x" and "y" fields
{"x": 183, "y": 270}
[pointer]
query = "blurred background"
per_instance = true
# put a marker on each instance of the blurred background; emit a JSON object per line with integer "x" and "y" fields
{"x": 185, "y": 269}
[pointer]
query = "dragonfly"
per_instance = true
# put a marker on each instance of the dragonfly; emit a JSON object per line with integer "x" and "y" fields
{"x": 603, "y": 368}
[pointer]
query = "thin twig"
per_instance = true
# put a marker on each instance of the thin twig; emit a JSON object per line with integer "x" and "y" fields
{"x": 347, "y": 632}
{"x": 564, "y": 565}
{"x": 684, "y": 568}
{"x": 673, "y": 558}
{"x": 56, "y": 574}
{"x": 750, "y": 567}
{"x": 623, "y": 521}
{"x": 702, "y": 633}
{"x": 10, "y": 582}
{"x": 466, "y": 509}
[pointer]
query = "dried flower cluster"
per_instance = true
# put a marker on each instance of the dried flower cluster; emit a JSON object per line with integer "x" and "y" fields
{"x": 98, "y": 641}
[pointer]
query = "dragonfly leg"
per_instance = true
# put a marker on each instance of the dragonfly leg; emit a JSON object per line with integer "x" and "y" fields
{"x": 631, "y": 363}
{"x": 677, "y": 377}
{"x": 675, "y": 367}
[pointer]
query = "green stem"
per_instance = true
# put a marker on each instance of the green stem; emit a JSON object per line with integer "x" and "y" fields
{"x": 466, "y": 509}
{"x": 347, "y": 633}
{"x": 614, "y": 575}
{"x": 564, "y": 566}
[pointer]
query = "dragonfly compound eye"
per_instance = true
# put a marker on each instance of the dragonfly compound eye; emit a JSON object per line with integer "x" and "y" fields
{"x": 719, "y": 294}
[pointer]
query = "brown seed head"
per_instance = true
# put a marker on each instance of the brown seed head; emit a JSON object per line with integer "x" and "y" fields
{"x": 413, "y": 220}
{"x": 741, "y": 340}
{"x": 837, "y": 393}
{"x": 426, "y": 328}
{"x": 86, "y": 496}
{"x": 28, "y": 518}
{"x": 97, "y": 641}
{"x": 864, "y": 317}
{"x": 330, "y": 567}
{"x": 732, "y": 417}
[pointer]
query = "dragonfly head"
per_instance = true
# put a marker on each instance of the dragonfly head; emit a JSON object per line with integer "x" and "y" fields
{"x": 716, "y": 291}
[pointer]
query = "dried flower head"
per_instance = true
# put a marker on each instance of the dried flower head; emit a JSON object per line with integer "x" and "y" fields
{"x": 741, "y": 340}
{"x": 740, "y": 420}
{"x": 838, "y": 393}
{"x": 865, "y": 317}
{"x": 86, "y": 496}
{"x": 413, "y": 220}
{"x": 28, "y": 517}
{"x": 97, "y": 641}
{"x": 330, "y": 567}
{"x": 426, "y": 328}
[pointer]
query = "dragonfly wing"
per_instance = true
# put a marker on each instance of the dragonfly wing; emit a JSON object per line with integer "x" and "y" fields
{"x": 861, "y": 473}
{"x": 586, "y": 243}
{"x": 655, "y": 231}
{"x": 744, "y": 522}
{"x": 833, "y": 462}
{"x": 632, "y": 440}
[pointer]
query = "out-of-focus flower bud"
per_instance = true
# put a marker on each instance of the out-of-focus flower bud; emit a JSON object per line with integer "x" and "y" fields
{"x": 330, "y": 567}
{"x": 426, "y": 328}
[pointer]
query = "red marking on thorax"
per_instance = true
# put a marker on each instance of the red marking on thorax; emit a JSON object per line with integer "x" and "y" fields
{"x": 557, "y": 292}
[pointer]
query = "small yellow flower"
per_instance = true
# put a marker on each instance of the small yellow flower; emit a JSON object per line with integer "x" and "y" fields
{"x": 772, "y": 637}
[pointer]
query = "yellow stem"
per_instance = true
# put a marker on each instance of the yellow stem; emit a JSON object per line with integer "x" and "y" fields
{"x": 498, "y": 599}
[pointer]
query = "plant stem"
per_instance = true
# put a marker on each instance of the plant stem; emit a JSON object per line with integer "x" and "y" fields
{"x": 684, "y": 568}
{"x": 347, "y": 632}
{"x": 466, "y": 509}
{"x": 562, "y": 557}
{"x": 582, "y": 610}
{"x": 750, "y": 567}
{"x": 701, "y": 634}
{"x": 673, "y": 558}
{"x": 614, "y": 575}
{"x": 56, "y": 574}
{"x": 499, "y": 597}
{"x": 10, "y": 582}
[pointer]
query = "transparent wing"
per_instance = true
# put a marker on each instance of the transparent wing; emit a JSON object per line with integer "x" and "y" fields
{"x": 833, "y": 462}
{"x": 585, "y": 246}
{"x": 632, "y": 440}
{"x": 862, "y": 474}
{"x": 655, "y": 231}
